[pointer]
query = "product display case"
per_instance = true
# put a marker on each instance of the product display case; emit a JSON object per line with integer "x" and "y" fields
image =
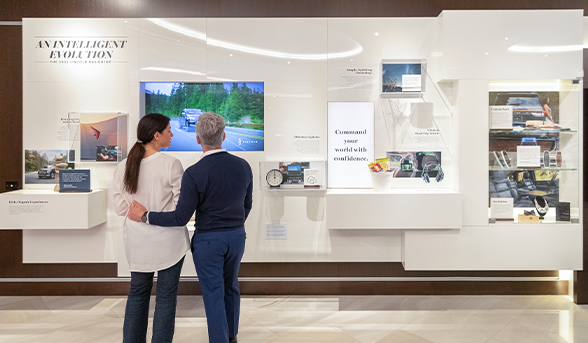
{"x": 534, "y": 163}
{"x": 292, "y": 175}
{"x": 419, "y": 135}
{"x": 414, "y": 130}
{"x": 98, "y": 137}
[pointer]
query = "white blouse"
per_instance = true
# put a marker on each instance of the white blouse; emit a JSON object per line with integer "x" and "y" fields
{"x": 149, "y": 247}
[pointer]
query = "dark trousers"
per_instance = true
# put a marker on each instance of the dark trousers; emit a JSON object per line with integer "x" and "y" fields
{"x": 217, "y": 257}
{"x": 166, "y": 299}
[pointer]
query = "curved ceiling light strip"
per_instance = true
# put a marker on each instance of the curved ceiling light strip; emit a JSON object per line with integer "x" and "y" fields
{"x": 545, "y": 49}
{"x": 173, "y": 70}
{"x": 178, "y": 29}
{"x": 252, "y": 50}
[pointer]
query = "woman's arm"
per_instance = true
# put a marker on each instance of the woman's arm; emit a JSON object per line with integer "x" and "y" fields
{"x": 546, "y": 111}
{"x": 121, "y": 204}
{"x": 175, "y": 179}
{"x": 185, "y": 207}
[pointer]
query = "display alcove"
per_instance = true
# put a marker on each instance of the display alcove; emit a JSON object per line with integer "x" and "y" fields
{"x": 537, "y": 157}
{"x": 413, "y": 128}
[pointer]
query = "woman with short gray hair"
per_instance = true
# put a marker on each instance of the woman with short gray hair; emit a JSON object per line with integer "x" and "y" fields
{"x": 210, "y": 128}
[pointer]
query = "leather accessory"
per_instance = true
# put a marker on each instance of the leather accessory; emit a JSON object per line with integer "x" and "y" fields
{"x": 498, "y": 160}
{"x": 144, "y": 217}
{"x": 558, "y": 159}
{"x": 505, "y": 159}
{"x": 430, "y": 166}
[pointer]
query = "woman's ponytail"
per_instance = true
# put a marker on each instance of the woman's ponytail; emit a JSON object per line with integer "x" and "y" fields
{"x": 148, "y": 125}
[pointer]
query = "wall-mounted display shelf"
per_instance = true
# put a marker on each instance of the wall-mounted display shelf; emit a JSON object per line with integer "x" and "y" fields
{"x": 393, "y": 209}
{"x": 49, "y": 210}
{"x": 292, "y": 176}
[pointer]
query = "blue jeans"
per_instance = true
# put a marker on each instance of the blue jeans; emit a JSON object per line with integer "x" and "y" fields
{"x": 217, "y": 257}
{"x": 137, "y": 309}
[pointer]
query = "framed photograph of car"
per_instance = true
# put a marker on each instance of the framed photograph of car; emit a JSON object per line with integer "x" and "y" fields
{"x": 40, "y": 165}
{"x": 241, "y": 104}
{"x": 403, "y": 77}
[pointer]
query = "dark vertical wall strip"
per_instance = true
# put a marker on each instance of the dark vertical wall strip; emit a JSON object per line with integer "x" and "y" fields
{"x": 10, "y": 104}
{"x": 11, "y": 148}
{"x": 10, "y": 134}
{"x": 581, "y": 277}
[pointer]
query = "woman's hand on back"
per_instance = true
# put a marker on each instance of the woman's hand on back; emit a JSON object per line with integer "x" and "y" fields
{"x": 136, "y": 210}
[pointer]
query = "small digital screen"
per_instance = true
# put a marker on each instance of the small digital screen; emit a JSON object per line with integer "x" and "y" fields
{"x": 294, "y": 168}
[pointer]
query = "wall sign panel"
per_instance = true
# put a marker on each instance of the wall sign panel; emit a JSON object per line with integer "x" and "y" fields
{"x": 351, "y": 144}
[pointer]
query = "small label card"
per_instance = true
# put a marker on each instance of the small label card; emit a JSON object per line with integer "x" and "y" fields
{"x": 501, "y": 208}
{"x": 411, "y": 83}
{"x": 312, "y": 178}
{"x": 528, "y": 156}
{"x": 276, "y": 231}
{"x": 500, "y": 117}
{"x": 74, "y": 180}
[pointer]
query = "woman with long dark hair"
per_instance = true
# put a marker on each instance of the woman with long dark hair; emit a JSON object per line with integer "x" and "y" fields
{"x": 154, "y": 180}
{"x": 547, "y": 110}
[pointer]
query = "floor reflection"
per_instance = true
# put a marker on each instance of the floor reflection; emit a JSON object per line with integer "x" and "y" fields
{"x": 385, "y": 319}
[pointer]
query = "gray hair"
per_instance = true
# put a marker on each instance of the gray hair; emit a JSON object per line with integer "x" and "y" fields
{"x": 210, "y": 128}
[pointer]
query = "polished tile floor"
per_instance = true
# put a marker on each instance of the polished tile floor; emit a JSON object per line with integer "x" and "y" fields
{"x": 384, "y": 319}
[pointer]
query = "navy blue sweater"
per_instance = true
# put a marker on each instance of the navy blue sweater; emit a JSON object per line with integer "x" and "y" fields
{"x": 219, "y": 187}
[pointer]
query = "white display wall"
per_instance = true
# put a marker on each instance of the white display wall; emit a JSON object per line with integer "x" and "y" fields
{"x": 306, "y": 63}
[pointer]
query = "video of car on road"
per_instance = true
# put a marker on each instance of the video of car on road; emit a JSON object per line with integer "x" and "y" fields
{"x": 241, "y": 104}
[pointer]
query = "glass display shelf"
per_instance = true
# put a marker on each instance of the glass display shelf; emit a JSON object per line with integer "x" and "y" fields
{"x": 534, "y": 150}
{"x": 550, "y": 217}
{"x": 493, "y": 168}
{"x": 533, "y": 132}
{"x": 290, "y": 176}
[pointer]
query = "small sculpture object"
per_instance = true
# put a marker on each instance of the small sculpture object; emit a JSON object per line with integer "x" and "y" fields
{"x": 542, "y": 206}
{"x": 59, "y": 165}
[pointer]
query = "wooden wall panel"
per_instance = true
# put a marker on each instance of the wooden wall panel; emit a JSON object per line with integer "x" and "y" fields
{"x": 10, "y": 104}
{"x": 383, "y": 8}
{"x": 305, "y": 288}
{"x": 367, "y": 270}
{"x": 554, "y": 4}
{"x": 481, "y": 4}
{"x": 17, "y": 9}
{"x": 269, "y": 8}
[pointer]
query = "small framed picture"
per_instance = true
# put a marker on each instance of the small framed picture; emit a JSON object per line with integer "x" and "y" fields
{"x": 403, "y": 77}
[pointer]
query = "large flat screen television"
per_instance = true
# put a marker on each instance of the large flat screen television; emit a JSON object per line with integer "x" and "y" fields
{"x": 239, "y": 103}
